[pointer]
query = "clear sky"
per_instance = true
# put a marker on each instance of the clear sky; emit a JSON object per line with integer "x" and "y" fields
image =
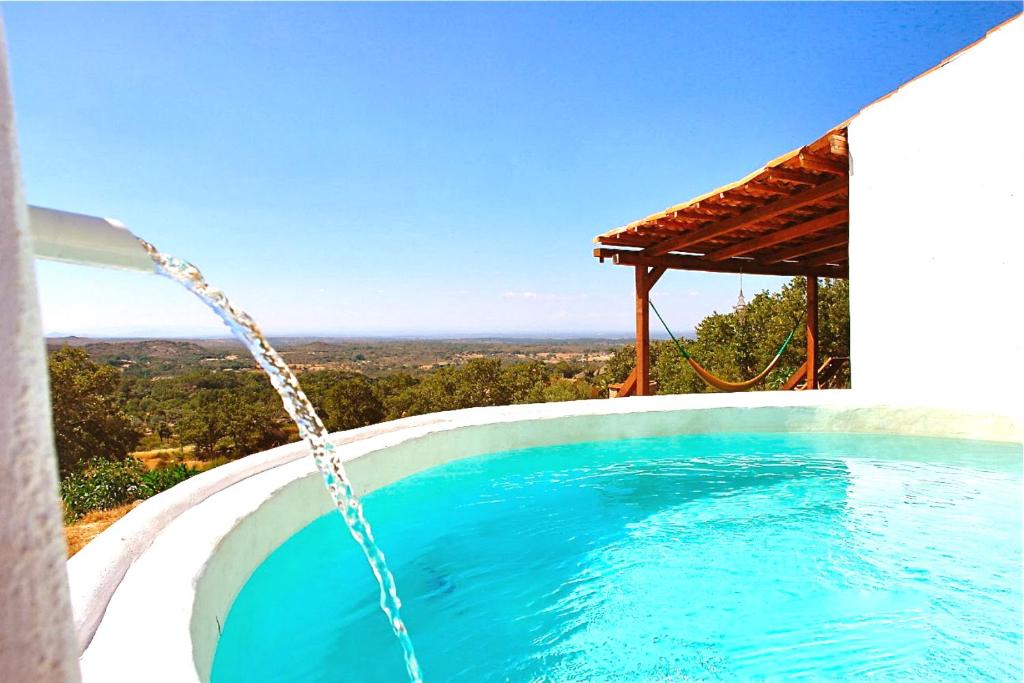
{"x": 426, "y": 169}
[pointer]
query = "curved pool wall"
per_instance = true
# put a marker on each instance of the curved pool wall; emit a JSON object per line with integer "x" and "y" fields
{"x": 152, "y": 592}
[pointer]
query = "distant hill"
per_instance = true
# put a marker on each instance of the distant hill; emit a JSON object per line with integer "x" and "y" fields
{"x": 154, "y": 357}
{"x": 157, "y": 356}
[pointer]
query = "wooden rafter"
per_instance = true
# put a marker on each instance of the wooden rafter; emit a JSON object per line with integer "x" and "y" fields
{"x": 832, "y": 241}
{"x": 702, "y": 212}
{"x": 837, "y": 256}
{"x": 838, "y": 144}
{"x": 766, "y": 189}
{"x": 829, "y": 220}
{"x": 654, "y": 274}
{"x": 623, "y": 257}
{"x": 813, "y": 162}
{"x": 747, "y": 218}
{"x": 790, "y": 176}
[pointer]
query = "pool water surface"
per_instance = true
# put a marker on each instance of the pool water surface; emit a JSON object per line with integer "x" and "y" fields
{"x": 706, "y": 557}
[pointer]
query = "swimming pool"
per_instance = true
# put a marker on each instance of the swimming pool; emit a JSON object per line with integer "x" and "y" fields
{"x": 708, "y": 556}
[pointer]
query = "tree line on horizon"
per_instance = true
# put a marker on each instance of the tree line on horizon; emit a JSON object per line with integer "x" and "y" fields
{"x": 102, "y": 415}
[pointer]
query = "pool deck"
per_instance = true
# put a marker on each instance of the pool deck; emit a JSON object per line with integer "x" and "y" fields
{"x": 157, "y": 585}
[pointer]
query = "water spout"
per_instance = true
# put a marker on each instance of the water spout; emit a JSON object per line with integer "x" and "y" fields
{"x": 311, "y": 429}
{"x": 86, "y": 240}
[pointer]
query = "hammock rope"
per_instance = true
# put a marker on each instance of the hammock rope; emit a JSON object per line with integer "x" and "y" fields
{"x": 717, "y": 382}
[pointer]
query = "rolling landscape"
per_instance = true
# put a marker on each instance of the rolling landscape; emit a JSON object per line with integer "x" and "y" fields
{"x": 368, "y": 356}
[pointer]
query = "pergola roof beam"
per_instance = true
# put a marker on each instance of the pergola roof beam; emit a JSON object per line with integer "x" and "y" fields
{"x": 736, "y": 265}
{"x": 769, "y": 210}
{"x": 829, "y": 220}
{"x": 837, "y": 256}
{"x": 830, "y": 242}
{"x": 816, "y": 163}
{"x": 792, "y": 176}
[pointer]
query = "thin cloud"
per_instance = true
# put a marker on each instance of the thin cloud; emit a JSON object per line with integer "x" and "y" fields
{"x": 541, "y": 296}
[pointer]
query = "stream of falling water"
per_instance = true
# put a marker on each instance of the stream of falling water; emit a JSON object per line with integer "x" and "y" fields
{"x": 310, "y": 428}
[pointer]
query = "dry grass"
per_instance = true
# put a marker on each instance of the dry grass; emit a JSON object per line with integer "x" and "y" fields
{"x": 89, "y": 526}
{"x": 161, "y": 457}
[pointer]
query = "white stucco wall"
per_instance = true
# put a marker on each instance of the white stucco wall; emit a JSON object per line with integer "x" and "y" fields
{"x": 37, "y": 642}
{"x": 936, "y": 221}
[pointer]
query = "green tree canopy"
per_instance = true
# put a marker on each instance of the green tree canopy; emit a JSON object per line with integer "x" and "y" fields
{"x": 737, "y": 346}
{"x": 346, "y": 402}
{"x": 485, "y": 382}
{"x": 88, "y": 419}
{"x": 235, "y": 419}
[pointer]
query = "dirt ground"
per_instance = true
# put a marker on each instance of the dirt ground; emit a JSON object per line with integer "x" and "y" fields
{"x": 89, "y": 526}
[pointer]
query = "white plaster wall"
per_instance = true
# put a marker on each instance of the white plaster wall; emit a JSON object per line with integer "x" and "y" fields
{"x": 37, "y": 642}
{"x": 936, "y": 221}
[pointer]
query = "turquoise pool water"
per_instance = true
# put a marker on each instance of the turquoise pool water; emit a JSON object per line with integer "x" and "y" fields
{"x": 712, "y": 557}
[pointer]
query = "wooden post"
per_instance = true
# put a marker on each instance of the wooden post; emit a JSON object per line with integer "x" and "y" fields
{"x": 643, "y": 333}
{"x": 812, "y": 332}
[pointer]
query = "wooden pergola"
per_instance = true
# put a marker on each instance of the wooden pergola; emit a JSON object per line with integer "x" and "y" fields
{"x": 789, "y": 218}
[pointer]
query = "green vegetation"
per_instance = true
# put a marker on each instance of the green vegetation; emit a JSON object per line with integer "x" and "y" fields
{"x": 104, "y": 484}
{"x": 344, "y": 401}
{"x": 486, "y": 382}
{"x": 737, "y": 346}
{"x": 88, "y": 415}
{"x": 219, "y": 413}
{"x": 111, "y": 397}
{"x": 103, "y": 412}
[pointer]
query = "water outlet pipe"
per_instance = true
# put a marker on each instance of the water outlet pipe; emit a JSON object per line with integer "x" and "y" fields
{"x": 86, "y": 240}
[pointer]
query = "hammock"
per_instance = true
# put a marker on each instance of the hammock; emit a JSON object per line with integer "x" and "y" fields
{"x": 717, "y": 382}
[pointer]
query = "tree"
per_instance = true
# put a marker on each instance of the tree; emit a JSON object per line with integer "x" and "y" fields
{"x": 480, "y": 382}
{"x": 523, "y": 381}
{"x": 227, "y": 413}
{"x": 349, "y": 403}
{"x": 618, "y": 367}
{"x": 229, "y": 422}
{"x": 88, "y": 420}
{"x": 737, "y": 346}
{"x": 163, "y": 431}
{"x": 202, "y": 423}
{"x": 562, "y": 389}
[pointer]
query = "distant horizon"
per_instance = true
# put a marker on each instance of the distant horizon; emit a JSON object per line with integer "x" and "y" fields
{"x": 619, "y": 336}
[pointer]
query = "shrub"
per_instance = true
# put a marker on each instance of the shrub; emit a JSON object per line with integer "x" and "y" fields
{"x": 163, "y": 478}
{"x": 101, "y": 485}
{"x": 105, "y": 484}
{"x": 566, "y": 390}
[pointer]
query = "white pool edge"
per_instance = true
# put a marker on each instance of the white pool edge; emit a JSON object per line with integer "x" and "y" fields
{"x": 200, "y": 541}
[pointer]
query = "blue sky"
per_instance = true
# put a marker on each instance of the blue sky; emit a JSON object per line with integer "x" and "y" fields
{"x": 348, "y": 169}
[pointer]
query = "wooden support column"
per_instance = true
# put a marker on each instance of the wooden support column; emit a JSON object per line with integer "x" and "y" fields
{"x": 812, "y": 332}
{"x": 643, "y": 332}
